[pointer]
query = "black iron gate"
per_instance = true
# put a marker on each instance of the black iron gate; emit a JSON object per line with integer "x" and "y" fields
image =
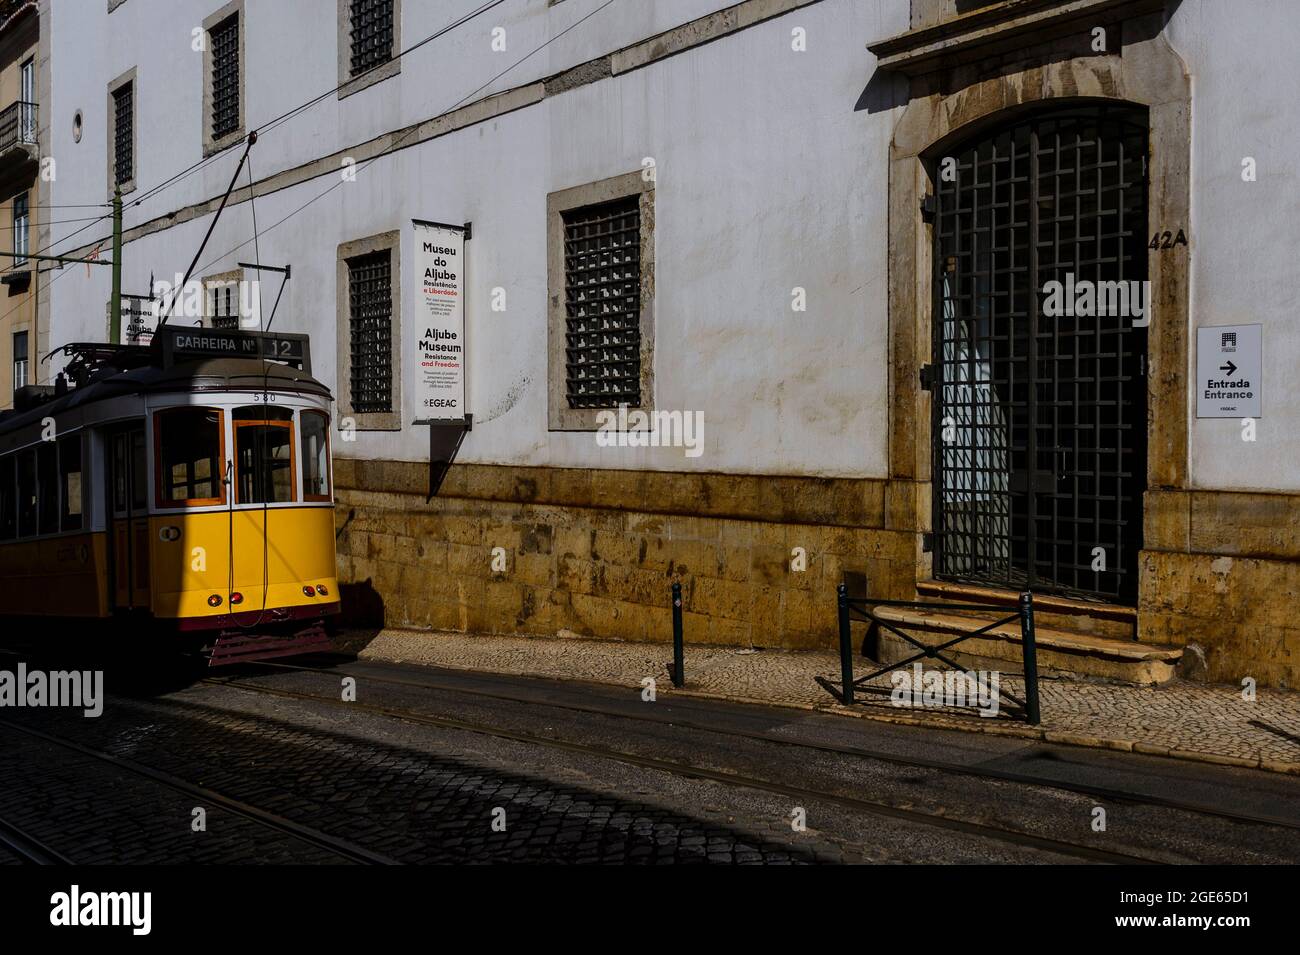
{"x": 1039, "y": 429}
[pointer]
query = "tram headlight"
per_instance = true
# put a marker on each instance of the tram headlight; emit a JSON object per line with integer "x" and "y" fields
{"x": 320, "y": 589}
{"x": 214, "y": 600}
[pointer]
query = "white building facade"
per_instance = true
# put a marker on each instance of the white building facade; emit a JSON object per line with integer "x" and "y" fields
{"x": 738, "y": 212}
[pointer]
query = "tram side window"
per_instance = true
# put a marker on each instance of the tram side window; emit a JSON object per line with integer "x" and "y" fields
{"x": 189, "y": 456}
{"x": 47, "y": 487}
{"x": 139, "y": 461}
{"x": 315, "y": 456}
{"x": 70, "y": 481}
{"x": 119, "y": 476}
{"x": 8, "y": 499}
{"x": 27, "y": 492}
{"x": 264, "y": 460}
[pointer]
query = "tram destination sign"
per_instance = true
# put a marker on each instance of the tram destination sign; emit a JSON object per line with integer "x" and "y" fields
{"x": 1229, "y": 371}
{"x": 180, "y": 343}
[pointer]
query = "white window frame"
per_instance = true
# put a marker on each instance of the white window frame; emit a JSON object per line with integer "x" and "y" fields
{"x": 20, "y": 369}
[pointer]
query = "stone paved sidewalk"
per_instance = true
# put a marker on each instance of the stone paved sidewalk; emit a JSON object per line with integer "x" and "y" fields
{"x": 1207, "y": 722}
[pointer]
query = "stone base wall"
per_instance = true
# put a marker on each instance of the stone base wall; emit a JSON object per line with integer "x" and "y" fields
{"x": 594, "y": 553}
{"x": 1221, "y": 573}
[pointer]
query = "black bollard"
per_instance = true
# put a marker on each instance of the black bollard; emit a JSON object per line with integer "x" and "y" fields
{"x": 1030, "y": 657}
{"x": 679, "y": 663}
{"x": 846, "y": 647}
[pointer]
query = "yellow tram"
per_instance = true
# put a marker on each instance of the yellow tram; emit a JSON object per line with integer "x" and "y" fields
{"x": 182, "y": 488}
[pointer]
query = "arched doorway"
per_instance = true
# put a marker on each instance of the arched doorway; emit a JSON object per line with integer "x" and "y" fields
{"x": 1039, "y": 391}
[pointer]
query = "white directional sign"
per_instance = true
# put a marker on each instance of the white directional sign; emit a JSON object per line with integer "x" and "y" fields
{"x": 1229, "y": 371}
{"x": 438, "y": 353}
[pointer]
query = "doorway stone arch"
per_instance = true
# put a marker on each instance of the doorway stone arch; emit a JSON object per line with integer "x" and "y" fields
{"x": 949, "y": 99}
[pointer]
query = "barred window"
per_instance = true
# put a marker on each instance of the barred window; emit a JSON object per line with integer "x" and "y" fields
{"x": 223, "y": 304}
{"x": 372, "y": 34}
{"x": 124, "y": 133}
{"x": 371, "y": 331}
{"x": 602, "y": 289}
{"x": 224, "y": 38}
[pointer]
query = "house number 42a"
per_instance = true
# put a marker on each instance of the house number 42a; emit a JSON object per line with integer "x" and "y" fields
{"x": 1167, "y": 240}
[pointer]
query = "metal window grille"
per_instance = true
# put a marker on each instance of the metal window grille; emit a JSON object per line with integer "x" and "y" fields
{"x": 124, "y": 133}
{"x": 372, "y": 34}
{"x": 602, "y": 288}
{"x": 371, "y": 330}
{"x": 1039, "y": 421}
{"x": 223, "y": 303}
{"x": 224, "y": 38}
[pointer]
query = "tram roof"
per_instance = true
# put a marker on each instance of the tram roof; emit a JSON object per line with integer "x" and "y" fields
{"x": 201, "y": 376}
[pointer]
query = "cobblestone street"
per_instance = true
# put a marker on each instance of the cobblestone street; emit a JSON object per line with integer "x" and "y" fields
{"x": 334, "y": 760}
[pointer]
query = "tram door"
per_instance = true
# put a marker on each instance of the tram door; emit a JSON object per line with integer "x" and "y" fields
{"x": 128, "y": 493}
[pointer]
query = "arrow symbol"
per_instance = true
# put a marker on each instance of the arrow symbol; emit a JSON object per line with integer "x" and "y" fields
{"x": 1229, "y": 367}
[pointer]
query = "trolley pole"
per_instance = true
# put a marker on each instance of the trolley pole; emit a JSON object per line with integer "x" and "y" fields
{"x": 115, "y": 304}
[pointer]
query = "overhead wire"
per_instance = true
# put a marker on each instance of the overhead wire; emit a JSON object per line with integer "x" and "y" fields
{"x": 397, "y": 142}
{"x": 267, "y": 126}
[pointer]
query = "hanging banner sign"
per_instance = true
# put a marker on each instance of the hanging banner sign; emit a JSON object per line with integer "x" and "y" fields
{"x": 138, "y": 320}
{"x": 437, "y": 355}
{"x": 1229, "y": 371}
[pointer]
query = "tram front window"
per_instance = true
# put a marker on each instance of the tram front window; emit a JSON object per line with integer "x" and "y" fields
{"x": 188, "y": 441}
{"x": 315, "y": 456}
{"x": 264, "y": 455}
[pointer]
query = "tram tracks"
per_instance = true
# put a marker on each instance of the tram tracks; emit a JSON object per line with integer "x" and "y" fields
{"x": 29, "y": 849}
{"x": 1109, "y": 794}
{"x": 801, "y": 794}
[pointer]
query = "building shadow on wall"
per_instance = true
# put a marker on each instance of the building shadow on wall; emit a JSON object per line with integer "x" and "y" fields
{"x": 888, "y": 89}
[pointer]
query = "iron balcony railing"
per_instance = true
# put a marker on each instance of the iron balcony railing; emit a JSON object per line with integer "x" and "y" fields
{"x": 18, "y": 125}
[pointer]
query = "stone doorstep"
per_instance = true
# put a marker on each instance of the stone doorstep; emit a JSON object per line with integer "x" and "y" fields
{"x": 1001, "y": 597}
{"x": 1050, "y": 610}
{"x": 1065, "y": 652}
